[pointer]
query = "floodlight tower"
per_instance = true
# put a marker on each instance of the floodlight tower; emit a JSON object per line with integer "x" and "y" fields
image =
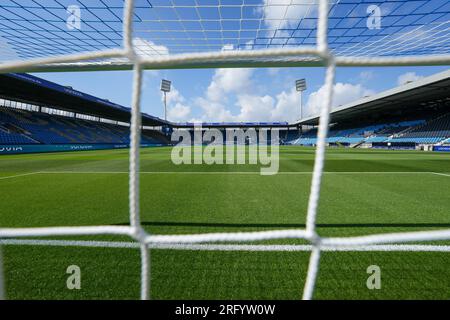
{"x": 166, "y": 86}
{"x": 300, "y": 85}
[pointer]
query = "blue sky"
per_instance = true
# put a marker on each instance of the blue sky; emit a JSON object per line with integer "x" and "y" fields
{"x": 239, "y": 94}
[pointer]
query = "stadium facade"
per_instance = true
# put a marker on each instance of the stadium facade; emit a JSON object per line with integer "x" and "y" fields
{"x": 41, "y": 116}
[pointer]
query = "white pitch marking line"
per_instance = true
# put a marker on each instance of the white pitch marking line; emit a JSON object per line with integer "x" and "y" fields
{"x": 20, "y": 175}
{"x": 240, "y": 172}
{"x": 441, "y": 174}
{"x": 237, "y": 247}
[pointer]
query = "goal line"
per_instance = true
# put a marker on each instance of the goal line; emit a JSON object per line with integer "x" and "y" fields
{"x": 225, "y": 247}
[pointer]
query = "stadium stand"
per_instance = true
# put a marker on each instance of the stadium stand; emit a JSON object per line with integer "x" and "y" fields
{"x": 37, "y": 115}
{"x": 290, "y": 135}
{"x": 389, "y": 119}
{"x": 27, "y": 127}
{"x": 417, "y": 131}
{"x": 431, "y": 132}
{"x": 408, "y": 116}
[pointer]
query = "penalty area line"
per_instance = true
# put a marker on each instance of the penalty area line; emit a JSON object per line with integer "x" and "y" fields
{"x": 20, "y": 175}
{"x": 225, "y": 247}
{"x": 440, "y": 174}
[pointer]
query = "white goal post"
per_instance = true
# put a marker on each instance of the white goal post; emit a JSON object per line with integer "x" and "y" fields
{"x": 386, "y": 49}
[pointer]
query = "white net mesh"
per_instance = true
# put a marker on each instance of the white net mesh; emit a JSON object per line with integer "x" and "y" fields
{"x": 211, "y": 33}
{"x": 167, "y": 33}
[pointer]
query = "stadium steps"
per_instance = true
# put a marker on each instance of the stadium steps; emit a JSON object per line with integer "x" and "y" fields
{"x": 18, "y": 132}
{"x": 446, "y": 141}
{"x": 9, "y": 138}
{"x": 357, "y": 145}
{"x": 405, "y": 131}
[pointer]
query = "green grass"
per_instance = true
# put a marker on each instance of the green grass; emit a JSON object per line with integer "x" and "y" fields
{"x": 364, "y": 192}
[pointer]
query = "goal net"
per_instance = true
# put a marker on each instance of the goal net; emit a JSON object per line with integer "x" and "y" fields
{"x": 66, "y": 35}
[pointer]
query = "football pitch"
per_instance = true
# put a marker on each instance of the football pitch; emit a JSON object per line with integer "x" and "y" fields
{"x": 364, "y": 192}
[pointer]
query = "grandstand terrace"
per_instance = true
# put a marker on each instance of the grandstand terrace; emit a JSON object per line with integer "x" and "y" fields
{"x": 37, "y": 112}
{"x": 411, "y": 116}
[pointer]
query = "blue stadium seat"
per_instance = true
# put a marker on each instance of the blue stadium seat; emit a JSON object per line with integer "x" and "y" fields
{"x": 417, "y": 131}
{"x": 50, "y": 129}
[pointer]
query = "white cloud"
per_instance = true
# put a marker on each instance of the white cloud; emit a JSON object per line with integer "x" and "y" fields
{"x": 236, "y": 89}
{"x": 280, "y": 14}
{"x": 249, "y": 45}
{"x": 147, "y": 48}
{"x": 148, "y": 78}
{"x": 179, "y": 112}
{"x": 254, "y": 108}
{"x": 174, "y": 96}
{"x": 238, "y": 85}
{"x": 343, "y": 93}
{"x": 408, "y": 77}
{"x": 227, "y": 81}
{"x": 213, "y": 110}
{"x": 287, "y": 107}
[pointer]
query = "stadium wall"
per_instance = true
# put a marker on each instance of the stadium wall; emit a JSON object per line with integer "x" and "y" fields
{"x": 24, "y": 149}
{"x": 441, "y": 148}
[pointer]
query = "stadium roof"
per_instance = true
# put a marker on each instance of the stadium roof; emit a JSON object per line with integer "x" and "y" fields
{"x": 414, "y": 95}
{"x": 34, "y": 90}
{"x": 222, "y": 125}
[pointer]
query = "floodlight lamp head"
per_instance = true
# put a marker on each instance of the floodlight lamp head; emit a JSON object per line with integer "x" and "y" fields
{"x": 166, "y": 85}
{"x": 300, "y": 85}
